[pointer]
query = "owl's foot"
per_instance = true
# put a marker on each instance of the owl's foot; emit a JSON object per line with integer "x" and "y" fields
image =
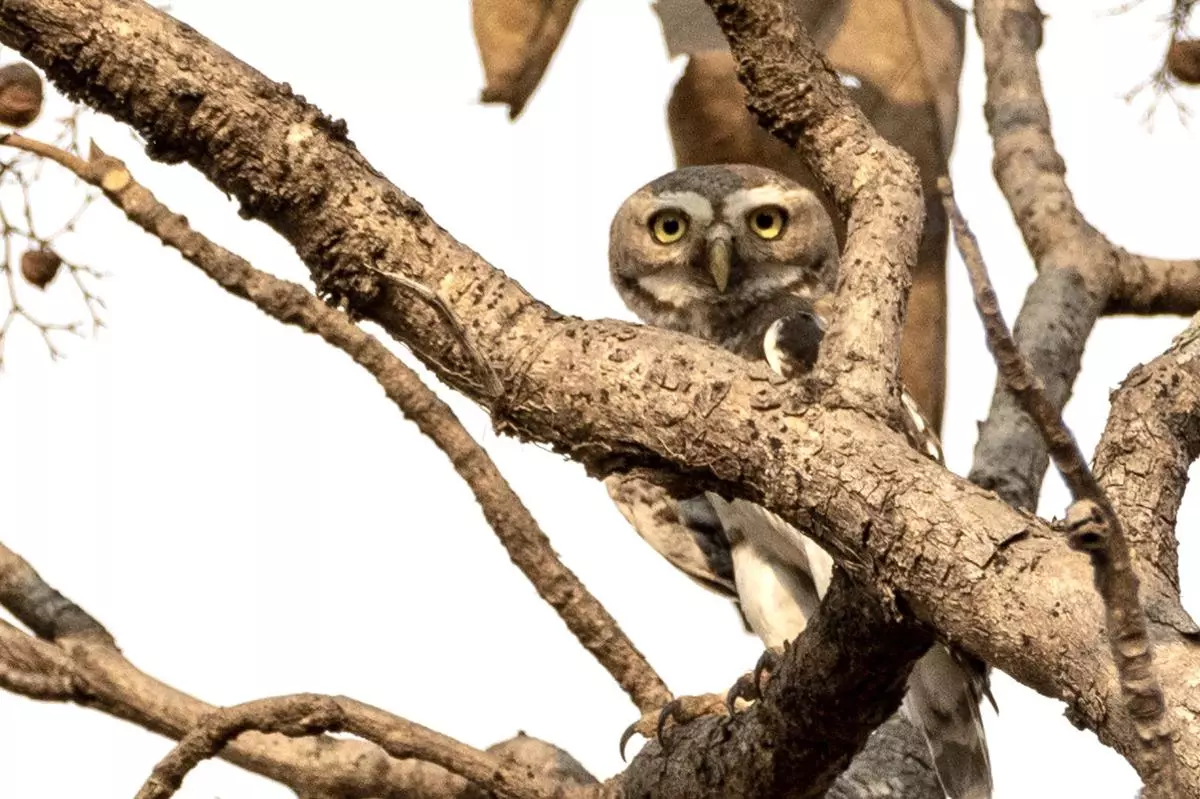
{"x": 748, "y": 687}
{"x": 683, "y": 710}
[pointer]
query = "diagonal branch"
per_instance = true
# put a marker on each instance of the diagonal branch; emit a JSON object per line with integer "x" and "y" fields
{"x": 290, "y": 303}
{"x": 1092, "y": 523}
{"x": 797, "y": 96}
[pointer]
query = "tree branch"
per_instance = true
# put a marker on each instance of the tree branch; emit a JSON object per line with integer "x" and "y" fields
{"x": 304, "y": 715}
{"x": 797, "y": 96}
{"x": 842, "y": 678}
{"x": 1093, "y": 525}
{"x": 86, "y": 668}
{"x": 1152, "y": 436}
{"x": 1080, "y": 273}
{"x": 290, "y": 303}
{"x": 604, "y": 392}
{"x": 1154, "y": 285}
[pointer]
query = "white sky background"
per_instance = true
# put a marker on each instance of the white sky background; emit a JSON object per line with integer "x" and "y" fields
{"x": 249, "y": 516}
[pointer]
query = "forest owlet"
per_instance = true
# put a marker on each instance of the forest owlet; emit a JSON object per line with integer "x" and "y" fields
{"x": 743, "y": 256}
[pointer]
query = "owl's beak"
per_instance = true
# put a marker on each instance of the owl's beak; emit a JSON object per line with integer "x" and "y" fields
{"x": 720, "y": 255}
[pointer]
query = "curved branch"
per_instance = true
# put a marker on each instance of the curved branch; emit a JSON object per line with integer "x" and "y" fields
{"x": 88, "y": 669}
{"x": 1151, "y": 438}
{"x": 797, "y": 96}
{"x": 303, "y": 715}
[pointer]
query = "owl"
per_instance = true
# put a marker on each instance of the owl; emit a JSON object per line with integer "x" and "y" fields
{"x": 746, "y": 258}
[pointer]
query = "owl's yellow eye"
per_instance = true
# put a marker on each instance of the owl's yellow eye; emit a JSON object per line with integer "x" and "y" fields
{"x": 668, "y": 227}
{"x": 768, "y": 221}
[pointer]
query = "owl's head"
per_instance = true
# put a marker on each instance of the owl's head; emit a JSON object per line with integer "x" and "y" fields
{"x": 709, "y": 242}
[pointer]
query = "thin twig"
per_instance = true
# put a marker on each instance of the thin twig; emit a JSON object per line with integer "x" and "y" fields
{"x": 291, "y": 303}
{"x": 1092, "y": 524}
{"x": 311, "y": 714}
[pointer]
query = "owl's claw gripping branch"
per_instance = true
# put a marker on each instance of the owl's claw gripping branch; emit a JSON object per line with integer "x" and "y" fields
{"x": 678, "y": 712}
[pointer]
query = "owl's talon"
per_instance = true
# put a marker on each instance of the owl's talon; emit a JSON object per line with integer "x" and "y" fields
{"x": 745, "y": 689}
{"x": 683, "y": 710}
{"x": 767, "y": 663}
{"x": 625, "y": 736}
{"x": 670, "y": 712}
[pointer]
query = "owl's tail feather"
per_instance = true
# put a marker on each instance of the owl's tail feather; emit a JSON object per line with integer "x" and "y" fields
{"x": 943, "y": 702}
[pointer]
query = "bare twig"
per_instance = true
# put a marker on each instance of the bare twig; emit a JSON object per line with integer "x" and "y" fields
{"x": 311, "y": 714}
{"x": 798, "y": 97}
{"x": 290, "y": 303}
{"x": 1092, "y": 524}
{"x": 21, "y": 235}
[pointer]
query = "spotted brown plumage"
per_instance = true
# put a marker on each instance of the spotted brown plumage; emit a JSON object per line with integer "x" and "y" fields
{"x": 743, "y": 257}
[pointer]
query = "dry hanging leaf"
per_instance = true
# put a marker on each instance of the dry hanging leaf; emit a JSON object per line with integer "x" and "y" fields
{"x": 21, "y": 94}
{"x": 39, "y": 267}
{"x": 904, "y": 58}
{"x": 1183, "y": 60}
{"x": 516, "y": 40}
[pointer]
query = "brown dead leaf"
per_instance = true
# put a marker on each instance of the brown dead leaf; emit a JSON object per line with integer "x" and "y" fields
{"x": 516, "y": 40}
{"x": 907, "y": 57}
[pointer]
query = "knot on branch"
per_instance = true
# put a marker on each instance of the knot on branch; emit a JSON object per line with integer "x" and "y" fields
{"x": 1087, "y": 526}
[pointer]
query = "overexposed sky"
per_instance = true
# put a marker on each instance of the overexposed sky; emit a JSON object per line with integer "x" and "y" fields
{"x": 249, "y": 516}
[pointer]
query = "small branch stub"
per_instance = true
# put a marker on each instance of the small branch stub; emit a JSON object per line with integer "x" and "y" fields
{"x": 1087, "y": 527}
{"x": 21, "y": 95}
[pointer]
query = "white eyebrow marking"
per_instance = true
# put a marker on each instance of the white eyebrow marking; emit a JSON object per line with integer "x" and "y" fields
{"x": 698, "y": 209}
{"x": 743, "y": 201}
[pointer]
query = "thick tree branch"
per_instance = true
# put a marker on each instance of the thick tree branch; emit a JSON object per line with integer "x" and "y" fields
{"x": 1092, "y": 523}
{"x": 797, "y": 96}
{"x": 960, "y": 559}
{"x": 303, "y": 715}
{"x": 837, "y": 682}
{"x": 1151, "y": 438}
{"x": 290, "y": 303}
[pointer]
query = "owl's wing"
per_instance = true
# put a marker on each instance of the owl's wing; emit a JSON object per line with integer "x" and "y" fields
{"x": 944, "y": 692}
{"x": 781, "y": 574}
{"x": 687, "y": 533}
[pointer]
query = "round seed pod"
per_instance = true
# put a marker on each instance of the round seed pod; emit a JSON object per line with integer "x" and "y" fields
{"x": 1183, "y": 60}
{"x": 21, "y": 94}
{"x": 39, "y": 267}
